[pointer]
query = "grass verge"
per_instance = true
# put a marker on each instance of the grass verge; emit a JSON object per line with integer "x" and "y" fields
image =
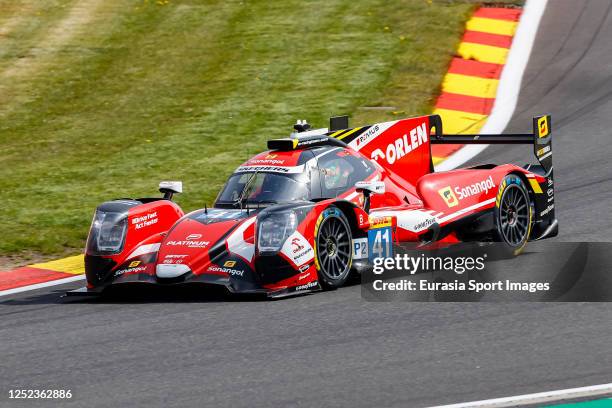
{"x": 101, "y": 99}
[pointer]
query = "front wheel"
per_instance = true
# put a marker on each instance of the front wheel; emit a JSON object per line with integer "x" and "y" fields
{"x": 513, "y": 215}
{"x": 333, "y": 246}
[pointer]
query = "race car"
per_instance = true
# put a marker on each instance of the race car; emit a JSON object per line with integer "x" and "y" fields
{"x": 322, "y": 204}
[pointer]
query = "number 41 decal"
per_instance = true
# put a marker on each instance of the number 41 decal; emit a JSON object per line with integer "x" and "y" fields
{"x": 379, "y": 241}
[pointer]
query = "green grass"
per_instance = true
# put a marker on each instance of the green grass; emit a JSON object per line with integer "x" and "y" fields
{"x": 107, "y": 100}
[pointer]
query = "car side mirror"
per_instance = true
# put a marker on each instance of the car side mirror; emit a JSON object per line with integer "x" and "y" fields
{"x": 169, "y": 188}
{"x": 368, "y": 188}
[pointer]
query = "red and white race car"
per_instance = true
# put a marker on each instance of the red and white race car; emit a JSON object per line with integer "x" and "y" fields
{"x": 322, "y": 203}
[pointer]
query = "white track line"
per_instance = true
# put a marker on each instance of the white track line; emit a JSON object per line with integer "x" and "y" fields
{"x": 538, "y": 398}
{"x": 41, "y": 285}
{"x": 509, "y": 83}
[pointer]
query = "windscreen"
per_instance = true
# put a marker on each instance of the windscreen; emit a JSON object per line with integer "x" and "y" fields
{"x": 264, "y": 188}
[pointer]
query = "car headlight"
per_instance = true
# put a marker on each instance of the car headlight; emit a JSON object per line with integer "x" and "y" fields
{"x": 274, "y": 229}
{"x": 107, "y": 233}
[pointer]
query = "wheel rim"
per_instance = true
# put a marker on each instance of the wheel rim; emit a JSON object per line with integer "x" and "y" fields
{"x": 514, "y": 215}
{"x": 333, "y": 248}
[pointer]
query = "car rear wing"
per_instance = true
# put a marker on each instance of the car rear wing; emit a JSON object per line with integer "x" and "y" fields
{"x": 541, "y": 139}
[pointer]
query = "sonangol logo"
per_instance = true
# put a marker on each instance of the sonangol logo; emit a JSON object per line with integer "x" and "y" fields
{"x": 473, "y": 189}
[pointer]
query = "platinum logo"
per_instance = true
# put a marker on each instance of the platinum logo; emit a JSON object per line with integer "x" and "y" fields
{"x": 189, "y": 244}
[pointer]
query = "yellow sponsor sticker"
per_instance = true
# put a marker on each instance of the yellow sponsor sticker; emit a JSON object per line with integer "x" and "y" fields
{"x": 448, "y": 196}
{"x": 380, "y": 222}
{"x": 543, "y": 151}
{"x": 502, "y": 187}
{"x": 535, "y": 186}
{"x": 543, "y": 126}
{"x": 134, "y": 264}
{"x": 229, "y": 264}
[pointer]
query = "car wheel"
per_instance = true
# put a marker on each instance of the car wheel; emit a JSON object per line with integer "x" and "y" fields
{"x": 334, "y": 253}
{"x": 513, "y": 214}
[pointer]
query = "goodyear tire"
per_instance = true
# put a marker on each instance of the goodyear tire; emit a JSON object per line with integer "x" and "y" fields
{"x": 333, "y": 246}
{"x": 513, "y": 214}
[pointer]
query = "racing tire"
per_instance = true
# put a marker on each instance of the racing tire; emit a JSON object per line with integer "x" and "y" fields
{"x": 513, "y": 214}
{"x": 333, "y": 247}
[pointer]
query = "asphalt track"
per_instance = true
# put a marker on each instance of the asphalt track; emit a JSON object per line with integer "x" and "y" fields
{"x": 333, "y": 349}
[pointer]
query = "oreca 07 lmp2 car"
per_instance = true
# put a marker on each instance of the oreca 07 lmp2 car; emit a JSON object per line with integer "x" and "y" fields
{"x": 322, "y": 203}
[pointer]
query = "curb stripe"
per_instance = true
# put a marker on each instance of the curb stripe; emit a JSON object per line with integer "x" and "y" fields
{"x": 494, "y": 40}
{"x": 460, "y": 122}
{"x": 28, "y": 276}
{"x": 42, "y": 274}
{"x": 435, "y": 160}
{"x": 493, "y": 26}
{"x": 470, "y": 87}
{"x": 483, "y": 53}
{"x": 74, "y": 265}
{"x": 466, "y": 103}
{"x": 510, "y": 14}
{"x": 509, "y": 82}
{"x": 446, "y": 150}
{"x": 72, "y": 278}
{"x": 475, "y": 68}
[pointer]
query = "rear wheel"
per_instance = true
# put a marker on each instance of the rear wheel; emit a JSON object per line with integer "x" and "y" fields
{"x": 333, "y": 246}
{"x": 513, "y": 215}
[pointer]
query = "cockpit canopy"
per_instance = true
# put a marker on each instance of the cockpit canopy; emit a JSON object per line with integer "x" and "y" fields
{"x": 264, "y": 188}
{"x": 280, "y": 177}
